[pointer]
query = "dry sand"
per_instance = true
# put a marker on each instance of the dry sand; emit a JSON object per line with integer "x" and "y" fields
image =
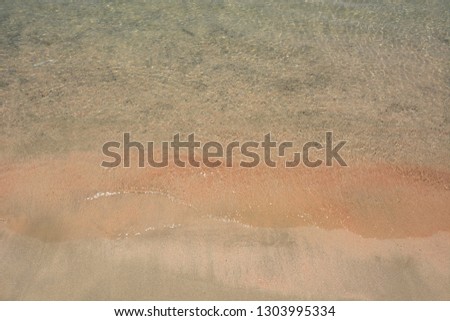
{"x": 74, "y": 75}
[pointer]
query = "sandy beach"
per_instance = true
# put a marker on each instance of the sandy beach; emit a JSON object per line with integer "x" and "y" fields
{"x": 76, "y": 75}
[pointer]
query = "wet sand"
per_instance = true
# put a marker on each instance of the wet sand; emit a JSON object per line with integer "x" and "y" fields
{"x": 73, "y": 197}
{"x": 75, "y": 75}
{"x": 74, "y": 230}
